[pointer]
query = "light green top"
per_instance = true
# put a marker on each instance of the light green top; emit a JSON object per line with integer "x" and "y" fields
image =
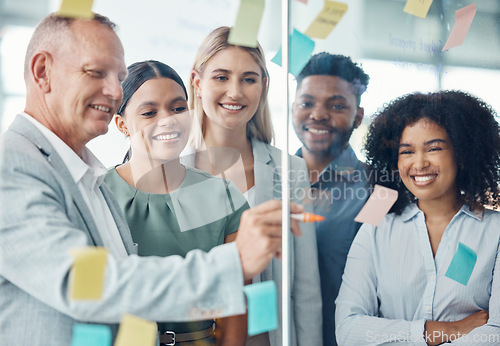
{"x": 198, "y": 215}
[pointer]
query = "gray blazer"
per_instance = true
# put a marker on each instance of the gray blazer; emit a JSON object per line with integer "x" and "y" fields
{"x": 306, "y": 324}
{"x": 43, "y": 215}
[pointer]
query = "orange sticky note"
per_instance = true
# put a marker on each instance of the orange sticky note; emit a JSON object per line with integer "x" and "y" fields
{"x": 463, "y": 21}
{"x": 378, "y": 205}
{"x": 418, "y": 8}
{"x": 135, "y": 331}
{"x": 87, "y": 273}
{"x": 327, "y": 19}
{"x": 76, "y": 9}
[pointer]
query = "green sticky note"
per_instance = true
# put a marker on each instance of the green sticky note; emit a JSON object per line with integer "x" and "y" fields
{"x": 246, "y": 28}
{"x": 301, "y": 48}
{"x": 76, "y": 9}
{"x": 91, "y": 334}
{"x": 262, "y": 307}
{"x": 462, "y": 264}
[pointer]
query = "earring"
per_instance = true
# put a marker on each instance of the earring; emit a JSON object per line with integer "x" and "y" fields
{"x": 125, "y": 133}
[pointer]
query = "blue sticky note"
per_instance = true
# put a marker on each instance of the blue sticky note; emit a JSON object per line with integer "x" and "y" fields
{"x": 91, "y": 334}
{"x": 262, "y": 307}
{"x": 462, "y": 264}
{"x": 301, "y": 48}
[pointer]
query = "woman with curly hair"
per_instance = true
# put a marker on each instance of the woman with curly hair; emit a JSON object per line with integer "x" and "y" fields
{"x": 430, "y": 271}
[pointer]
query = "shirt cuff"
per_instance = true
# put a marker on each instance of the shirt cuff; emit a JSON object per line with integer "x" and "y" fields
{"x": 417, "y": 329}
{"x": 229, "y": 263}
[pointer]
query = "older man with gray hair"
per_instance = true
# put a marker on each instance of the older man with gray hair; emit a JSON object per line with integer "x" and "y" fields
{"x": 53, "y": 199}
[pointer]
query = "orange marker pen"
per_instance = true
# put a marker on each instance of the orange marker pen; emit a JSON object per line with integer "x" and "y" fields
{"x": 307, "y": 217}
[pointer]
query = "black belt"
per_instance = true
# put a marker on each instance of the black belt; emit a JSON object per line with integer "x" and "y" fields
{"x": 170, "y": 338}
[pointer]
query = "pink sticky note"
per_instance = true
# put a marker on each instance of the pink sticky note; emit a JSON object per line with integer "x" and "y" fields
{"x": 304, "y": 1}
{"x": 378, "y": 205}
{"x": 463, "y": 21}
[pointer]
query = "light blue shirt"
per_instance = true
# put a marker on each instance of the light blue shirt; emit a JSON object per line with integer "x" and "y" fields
{"x": 392, "y": 283}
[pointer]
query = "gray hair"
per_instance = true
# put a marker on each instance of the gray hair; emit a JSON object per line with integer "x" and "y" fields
{"x": 51, "y": 31}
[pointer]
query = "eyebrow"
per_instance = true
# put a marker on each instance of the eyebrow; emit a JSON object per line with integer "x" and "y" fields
{"x": 148, "y": 103}
{"x": 331, "y": 98}
{"x": 221, "y": 70}
{"x": 179, "y": 98}
{"x": 437, "y": 140}
{"x": 151, "y": 103}
{"x": 432, "y": 141}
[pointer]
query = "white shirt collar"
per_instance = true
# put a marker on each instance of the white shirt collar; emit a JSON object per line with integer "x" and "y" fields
{"x": 78, "y": 167}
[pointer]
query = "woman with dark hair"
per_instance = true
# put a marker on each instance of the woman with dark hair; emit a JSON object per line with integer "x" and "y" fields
{"x": 429, "y": 273}
{"x": 171, "y": 209}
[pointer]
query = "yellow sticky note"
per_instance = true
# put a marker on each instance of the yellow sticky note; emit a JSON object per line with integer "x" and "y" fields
{"x": 135, "y": 331}
{"x": 245, "y": 30}
{"x": 87, "y": 273}
{"x": 327, "y": 19}
{"x": 76, "y": 9}
{"x": 418, "y": 8}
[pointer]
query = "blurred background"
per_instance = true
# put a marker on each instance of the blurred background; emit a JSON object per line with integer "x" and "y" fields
{"x": 401, "y": 52}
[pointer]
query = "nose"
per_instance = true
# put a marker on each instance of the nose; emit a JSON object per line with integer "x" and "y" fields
{"x": 167, "y": 120}
{"x": 113, "y": 89}
{"x": 319, "y": 113}
{"x": 234, "y": 90}
{"x": 420, "y": 161}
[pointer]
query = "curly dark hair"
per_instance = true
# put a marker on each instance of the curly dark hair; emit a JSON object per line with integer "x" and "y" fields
{"x": 472, "y": 128}
{"x": 339, "y": 66}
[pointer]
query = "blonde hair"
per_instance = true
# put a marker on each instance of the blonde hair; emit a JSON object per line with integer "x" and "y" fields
{"x": 260, "y": 126}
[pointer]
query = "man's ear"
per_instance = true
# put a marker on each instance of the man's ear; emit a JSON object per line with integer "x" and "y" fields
{"x": 40, "y": 68}
{"x": 360, "y": 113}
{"x": 120, "y": 124}
{"x": 195, "y": 82}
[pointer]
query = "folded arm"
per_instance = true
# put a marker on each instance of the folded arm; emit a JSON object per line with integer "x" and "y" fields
{"x": 489, "y": 333}
{"x": 356, "y": 316}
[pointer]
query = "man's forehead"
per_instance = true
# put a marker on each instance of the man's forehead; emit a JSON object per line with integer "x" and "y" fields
{"x": 93, "y": 31}
{"x": 324, "y": 85}
{"x": 92, "y": 36}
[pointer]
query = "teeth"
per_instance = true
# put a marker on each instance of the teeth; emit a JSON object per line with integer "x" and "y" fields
{"x": 318, "y": 132}
{"x": 231, "y": 107}
{"x": 423, "y": 179}
{"x": 101, "y": 108}
{"x": 167, "y": 137}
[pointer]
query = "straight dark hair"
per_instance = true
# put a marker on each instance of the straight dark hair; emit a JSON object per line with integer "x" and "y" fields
{"x": 138, "y": 74}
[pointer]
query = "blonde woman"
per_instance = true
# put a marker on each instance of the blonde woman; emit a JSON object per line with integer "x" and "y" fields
{"x": 232, "y": 136}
